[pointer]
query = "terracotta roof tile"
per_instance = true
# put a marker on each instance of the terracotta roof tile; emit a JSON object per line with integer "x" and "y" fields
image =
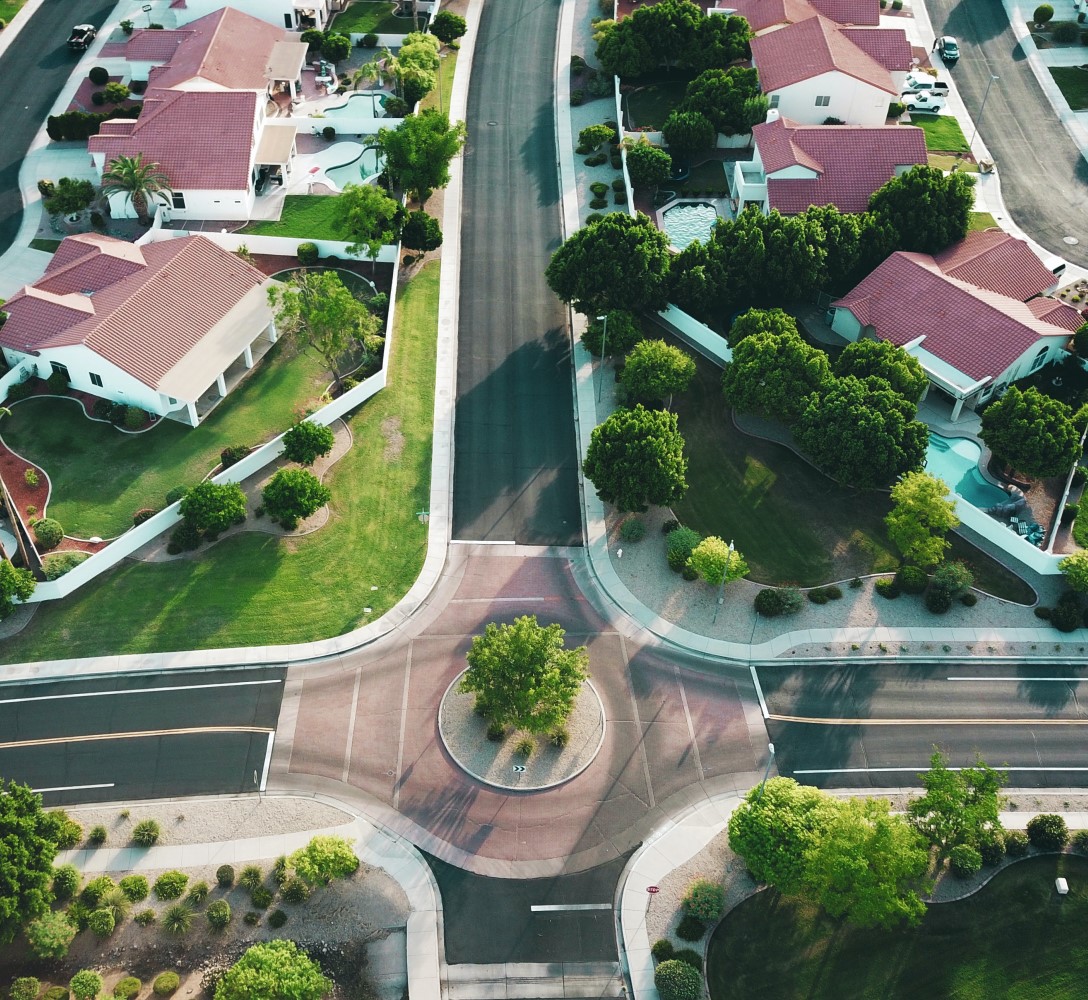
{"x": 763, "y": 14}
{"x": 143, "y": 319}
{"x": 888, "y": 46}
{"x": 152, "y": 45}
{"x": 976, "y": 331}
{"x": 851, "y": 161}
{"x": 1057, "y": 313}
{"x": 997, "y": 261}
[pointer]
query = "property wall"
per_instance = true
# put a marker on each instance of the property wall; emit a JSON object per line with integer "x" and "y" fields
{"x": 852, "y": 101}
{"x": 1008, "y": 541}
{"x": 21, "y": 368}
{"x": 707, "y": 342}
{"x": 279, "y": 245}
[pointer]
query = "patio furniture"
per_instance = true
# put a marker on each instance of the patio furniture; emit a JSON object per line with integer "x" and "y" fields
{"x": 1022, "y": 527}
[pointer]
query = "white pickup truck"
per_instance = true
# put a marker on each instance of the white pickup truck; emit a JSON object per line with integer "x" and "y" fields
{"x": 923, "y": 102}
{"x": 923, "y": 83}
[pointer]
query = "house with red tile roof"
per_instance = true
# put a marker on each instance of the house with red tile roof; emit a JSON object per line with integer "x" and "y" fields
{"x": 795, "y": 166}
{"x": 970, "y": 315}
{"x": 169, "y": 327}
{"x": 295, "y": 15}
{"x": 769, "y": 15}
{"x": 204, "y": 118}
{"x": 816, "y": 69}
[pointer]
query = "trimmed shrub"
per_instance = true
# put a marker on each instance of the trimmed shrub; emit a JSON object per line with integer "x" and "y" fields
{"x": 305, "y": 442}
{"x": 56, "y": 564}
{"x": 887, "y": 587}
{"x": 56, "y": 993}
{"x": 328, "y": 133}
{"x": 633, "y": 530}
{"x": 170, "y": 885}
{"x": 165, "y": 984}
{"x": 691, "y": 957}
{"x": 911, "y": 579}
{"x": 251, "y": 877}
{"x": 1043, "y": 14}
{"x": 679, "y": 544}
{"x": 198, "y": 892}
{"x": 1065, "y": 31}
{"x": 145, "y": 918}
{"x": 677, "y": 980}
{"x": 66, "y": 879}
{"x": 1016, "y": 843}
{"x": 98, "y": 835}
{"x": 1042, "y": 612}
{"x": 48, "y": 533}
{"x": 774, "y": 601}
{"x": 690, "y": 928}
{"x": 102, "y": 409}
{"x": 58, "y": 383}
{"x": 938, "y": 601}
{"x": 1066, "y": 616}
{"x": 252, "y": 917}
{"x": 219, "y": 914}
{"x": 135, "y": 888}
{"x": 115, "y": 93}
{"x": 307, "y": 254}
{"x": 992, "y": 850}
{"x": 599, "y": 188}
{"x": 817, "y": 595}
{"x": 25, "y": 988}
{"x": 85, "y": 984}
{"x": 94, "y": 890}
{"x": 127, "y": 988}
{"x": 896, "y": 109}
{"x": 100, "y": 76}
{"x": 670, "y": 526}
{"x": 662, "y": 950}
{"x": 598, "y": 203}
{"x": 174, "y": 495}
{"x": 965, "y": 861}
{"x": 704, "y": 899}
{"x": 177, "y": 919}
{"x": 276, "y": 919}
{"x": 101, "y": 923}
{"x": 30, "y": 477}
{"x": 50, "y": 935}
{"x": 1048, "y": 832}
{"x": 1080, "y": 841}
{"x": 261, "y": 897}
{"x": 295, "y": 890}
{"x": 969, "y": 600}
{"x": 224, "y": 875}
{"x": 146, "y": 833}
{"x": 186, "y": 537}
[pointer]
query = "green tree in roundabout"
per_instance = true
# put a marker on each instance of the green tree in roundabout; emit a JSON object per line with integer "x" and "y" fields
{"x": 523, "y": 677}
{"x": 636, "y": 458}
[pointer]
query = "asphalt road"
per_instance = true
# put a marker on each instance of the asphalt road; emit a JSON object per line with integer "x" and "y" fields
{"x": 491, "y": 920}
{"x": 877, "y": 726}
{"x": 137, "y": 736}
{"x": 515, "y": 463}
{"x": 34, "y": 69}
{"x": 1044, "y": 177}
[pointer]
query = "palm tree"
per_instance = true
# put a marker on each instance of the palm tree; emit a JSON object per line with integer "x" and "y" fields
{"x": 131, "y": 175}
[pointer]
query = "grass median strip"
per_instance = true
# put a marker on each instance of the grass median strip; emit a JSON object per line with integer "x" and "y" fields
{"x": 253, "y": 589}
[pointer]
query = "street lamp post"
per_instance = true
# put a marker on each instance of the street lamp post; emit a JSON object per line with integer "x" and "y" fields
{"x": 982, "y": 110}
{"x": 770, "y": 761}
{"x": 721, "y": 586}
{"x": 604, "y": 352}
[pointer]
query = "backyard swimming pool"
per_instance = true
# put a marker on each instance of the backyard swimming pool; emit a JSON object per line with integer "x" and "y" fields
{"x": 955, "y": 460}
{"x": 365, "y": 104}
{"x": 688, "y": 222}
{"x": 355, "y": 171}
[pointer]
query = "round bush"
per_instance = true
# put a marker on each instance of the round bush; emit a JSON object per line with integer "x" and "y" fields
{"x": 677, "y": 980}
{"x": 135, "y": 888}
{"x": 296, "y": 891}
{"x": 219, "y": 914}
{"x": 328, "y": 133}
{"x": 704, "y": 899}
{"x": 66, "y": 881}
{"x": 170, "y": 885}
{"x": 1048, "y": 832}
{"x": 774, "y": 601}
{"x": 165, "y": 984}
{"x": 94, "y": 890}
{"x": 938, "y": 601}
{"x": 146, "y": 833}
{"x": 48, "y": 533}
{"x": 679, "y": 544}
{"x": 1080, "y": 841}
{"x": 887, "y": 588}
{"x": 127, "y": 988}
{"x": 1065, "y": 31}
{"x": 690, "y": 928}
{"x": 262, "y": 897}
{"x": 135, "y": 418}
{"x": 1016, "y": 843}
{"x": 277, "y": 918}
{"x": 56, "y": 993}
{"x": 1066, "y": 617}
{"x": 368, "y": 41}
{"x": 251, "y": 877}
{"x": 911, "y": 579}
{"x": 98, "y": 98}
{"x": 25, "y": 988}
{"x": 224, "y": 875}
{"x": 662, "y": 950}
{"x": 85, "y": 984}
{"x": 599, "y": 188}
{"x": 145, "y": 918}
{"x": 307, "y": 254}
{"x": 252, "y": 917}
{"x": 633, "y": 530}
{"x": 969, "y": 600}
{"x": 965, "y": 861}
{"x": 98, "y": 835}
{"x": 100, "y": 76}
{"x": 992, "y": 850}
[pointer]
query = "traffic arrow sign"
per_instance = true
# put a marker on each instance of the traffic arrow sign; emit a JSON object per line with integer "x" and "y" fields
{"x": 518, "y": 768}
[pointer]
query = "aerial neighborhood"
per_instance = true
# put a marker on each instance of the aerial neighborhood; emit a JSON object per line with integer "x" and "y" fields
{"x": 559, "y": 500}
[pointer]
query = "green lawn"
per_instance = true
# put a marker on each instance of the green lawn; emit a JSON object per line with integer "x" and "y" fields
{"x": 101, "y": 476}
{"x": 305, "y": 216}
{"x": 255, "y": 589}
{"x": 49, "y": 246}
{"x": 650, "y": 105}
{"x": 980, "y": 221}
{"x": 1015, "y": 938}
{"x": 943, "y": 132}
{"x": 365, "y": 16}
{"x": 446, "y": 68}
{"x": 1072, "y": 81}
{"x": 949, "y": 161}
{"x": 9, "y": 8}
{"x": 793, "y": 524}
{"x": 707, "y": 176}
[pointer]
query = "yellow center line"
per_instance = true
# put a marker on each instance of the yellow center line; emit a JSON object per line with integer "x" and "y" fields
{"x": 141, "y": 734}
{"x": 929, "y": 722}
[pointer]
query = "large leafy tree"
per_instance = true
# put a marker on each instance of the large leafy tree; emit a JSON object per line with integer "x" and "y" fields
{"x": 1075, "y": 570}
{"x": 320, "y": 312}
{"x": 774, "y": 321}
{"x": 418, "y": 152}
{"x": 720, "y": 95}
{"x": 920, "y": 517}
{"x": 1031, "y": 432}
{"x": 862, "y": 432}
{"x": 305, "y": 442}
{"x": 655, "y": 370}
{"x": 618, "y": 262}
{"x": 717, "y": 563}
{"x": 774, "y": 374}
{"x": 719, "y": 42}
{"x": 885, "y": 360}
{"x": 866, "y": 865}
{"x": 69, "y": 196}
{"x": 16, "y": 584}
{"x": 523, "y": 676}
{"x": 368, "y": 217}
{"x": 621, "y": 52}
{"x": 415, "y": 66}
{"x": 294, "y": 494}
{"x": 28, "y": 846}
{"x": 928, "y": 209}
{"x": 273, "y": 970}
{"x": 958, "y": 807}
{"x": 687, "y": 133}
{"x": 648, "y": 165}
{"x": 213, "y": 507}
{"x": 447, "y": 26}
{"x": 636, "y": 458}
{"x": 421, "y": 232}
{"x": 137, "y": 178}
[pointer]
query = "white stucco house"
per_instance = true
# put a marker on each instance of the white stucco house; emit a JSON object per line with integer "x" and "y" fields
{"x": 794, "y": 166}
{"x": 770, "y": 15}
{"x": 169, "y": 327}
{"x": 205, "y": 119}
{"x": 295, "y": 15}
{"x": 972, "y": 315}
{"x": 815, "y": 69}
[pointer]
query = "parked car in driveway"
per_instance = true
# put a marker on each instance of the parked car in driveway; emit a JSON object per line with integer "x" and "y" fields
{"x": 948, "y": 49}
{"x": 923, "y": 102}
{"x": 81, "y": 37}
{"x": 918, "y": 83}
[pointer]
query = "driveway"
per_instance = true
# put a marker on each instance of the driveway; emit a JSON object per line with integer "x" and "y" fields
{"x": 34, "y": 70}
{"x": 1044, "y": 177}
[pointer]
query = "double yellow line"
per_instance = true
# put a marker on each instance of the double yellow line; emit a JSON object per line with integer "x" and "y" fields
{"x": 929, "y": 722}
{"x": 140, "y": 734}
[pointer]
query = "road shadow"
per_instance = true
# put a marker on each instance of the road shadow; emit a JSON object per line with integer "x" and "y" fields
{"x": 1051, "y": 696}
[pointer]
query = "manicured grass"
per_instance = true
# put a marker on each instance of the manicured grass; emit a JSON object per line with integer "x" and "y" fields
{"x": 255, "y": 589}
{"x": 364, "y": 16}
{"x": 9, "y": 8}
{"x": 102, "y": 476}
{"x": 707, "y": 176}
{"x": 1072, "y": 81}
{"x": 446, "y": 68}
{"x": 49, "y": 246}
{"x": 650, "y": 105}
{"x": 980, "y": 221}
{"x": 305, "y": 216}
{"x": 949, "y": 161}
{"x": 943, "y": 132}
{"x": 1013, "y": 938}
{"x": 793, "y": 524}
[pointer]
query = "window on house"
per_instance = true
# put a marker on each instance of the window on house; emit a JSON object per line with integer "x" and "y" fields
{"x": 772, "y": 101}
{"x": 59, "y": 369}
{"x": 178, "y": 199}
{"x": 823, "y": 101}
{"x": 96, "y": 379}
{"x": 1039, "y": 359}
